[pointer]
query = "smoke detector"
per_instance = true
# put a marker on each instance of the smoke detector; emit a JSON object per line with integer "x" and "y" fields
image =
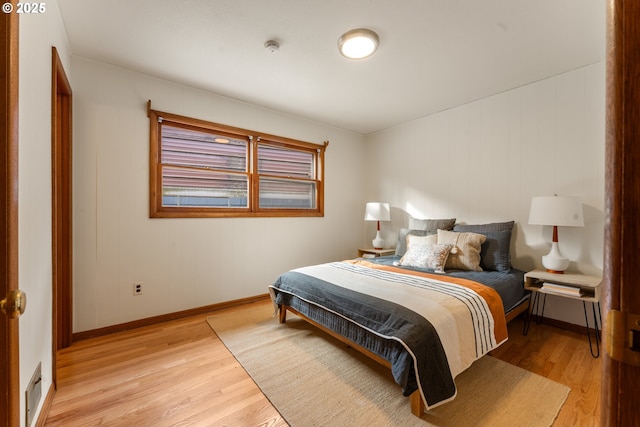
{"x": 272, "y": 46}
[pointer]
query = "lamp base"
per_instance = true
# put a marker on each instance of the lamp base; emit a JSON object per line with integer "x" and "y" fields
{"x": 378, "y": 242}
{"x": 554, "y": 262}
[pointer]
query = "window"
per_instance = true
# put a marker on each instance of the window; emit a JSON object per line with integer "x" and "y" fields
{"x": 204, "y": 169}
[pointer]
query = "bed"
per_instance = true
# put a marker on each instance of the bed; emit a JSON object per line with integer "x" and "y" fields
{"x": 427, "y": 312}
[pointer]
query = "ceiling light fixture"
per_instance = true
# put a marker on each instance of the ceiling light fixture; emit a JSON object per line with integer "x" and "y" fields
{"x": 359, "y": 43}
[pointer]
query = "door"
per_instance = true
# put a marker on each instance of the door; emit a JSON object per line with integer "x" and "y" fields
{"x": 9, "y": 353}
{"x": 620, "y": 376}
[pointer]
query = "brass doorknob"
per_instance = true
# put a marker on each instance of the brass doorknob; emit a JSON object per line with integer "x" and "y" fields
{"x": 14, "y": 304}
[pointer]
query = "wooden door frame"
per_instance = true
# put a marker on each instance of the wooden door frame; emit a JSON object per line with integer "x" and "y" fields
{"x": 620, "y": 386}
{"x": 61, "y": 207}
{"x": 9, "y": 332}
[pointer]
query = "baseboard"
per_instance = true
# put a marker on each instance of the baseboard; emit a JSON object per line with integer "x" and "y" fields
{"x": 78, "y": 336}
{"x": 562, "y": 324}
{"x": 46, "y": 406}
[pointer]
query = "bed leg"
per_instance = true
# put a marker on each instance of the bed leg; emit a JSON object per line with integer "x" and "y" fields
{"x": 282, "y": 313}
{"x": 417, "y": 405}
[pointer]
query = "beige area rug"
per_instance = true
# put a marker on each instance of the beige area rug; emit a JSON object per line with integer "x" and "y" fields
{"x": 315, "y": 380}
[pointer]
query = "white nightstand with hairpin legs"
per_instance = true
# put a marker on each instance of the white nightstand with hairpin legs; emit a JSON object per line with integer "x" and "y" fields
{"x": 574, "y": 286}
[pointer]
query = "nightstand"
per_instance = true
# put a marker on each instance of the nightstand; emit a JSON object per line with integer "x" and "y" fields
{"x": 574, "y": 286}
{"x": 373, "y": 253}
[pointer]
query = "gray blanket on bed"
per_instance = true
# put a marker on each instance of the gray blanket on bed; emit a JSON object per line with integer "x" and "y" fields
{"x": 397, "y": 333}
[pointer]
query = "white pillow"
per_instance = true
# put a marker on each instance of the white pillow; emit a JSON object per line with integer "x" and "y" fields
{"x": 414, "y": 239}
{"x": 423, "y": 253}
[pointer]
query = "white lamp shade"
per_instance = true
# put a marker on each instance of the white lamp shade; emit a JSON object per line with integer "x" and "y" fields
{"x": 376, "y": 211}
{"x": 563, "y": 211}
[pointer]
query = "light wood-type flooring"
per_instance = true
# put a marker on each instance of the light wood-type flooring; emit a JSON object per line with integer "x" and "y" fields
{"x": 178, "y": 373}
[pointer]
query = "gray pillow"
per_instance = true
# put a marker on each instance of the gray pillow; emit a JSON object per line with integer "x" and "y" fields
{"x": 495, "y": 251}
{"x": 431, "y": 224}
{"x": 482, "y": 228}
{"x": 401, "y": 246}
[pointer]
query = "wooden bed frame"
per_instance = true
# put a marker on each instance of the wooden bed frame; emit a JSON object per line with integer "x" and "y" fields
{"x": 417, "y": 404}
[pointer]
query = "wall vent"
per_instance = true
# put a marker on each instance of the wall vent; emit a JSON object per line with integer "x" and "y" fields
{"x": 34, "y": 393}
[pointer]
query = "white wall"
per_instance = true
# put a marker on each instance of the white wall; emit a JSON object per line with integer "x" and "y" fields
{"x": 37, "y": 34}
{"x": 483, "y": 161}
{"x": 479, "y": 162}
{"x": 185, "y": 263}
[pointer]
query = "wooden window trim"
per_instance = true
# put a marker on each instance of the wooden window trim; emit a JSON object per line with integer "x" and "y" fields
{"x": 157, "y": 210}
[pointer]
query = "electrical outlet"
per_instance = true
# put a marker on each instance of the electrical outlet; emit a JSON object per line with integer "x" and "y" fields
{"x": 137, "y": 288}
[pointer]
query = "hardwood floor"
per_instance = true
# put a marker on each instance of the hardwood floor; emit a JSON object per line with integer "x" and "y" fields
{"x": 178, "y": 373}
{"x": 562, "y": 356}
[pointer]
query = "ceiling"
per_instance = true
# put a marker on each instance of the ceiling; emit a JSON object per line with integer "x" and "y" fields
{"x": 433, "y": 54}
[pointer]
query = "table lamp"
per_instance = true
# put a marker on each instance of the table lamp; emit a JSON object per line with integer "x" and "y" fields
{"x": 557, "y": 211}
{"x": 376, "y": 211}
